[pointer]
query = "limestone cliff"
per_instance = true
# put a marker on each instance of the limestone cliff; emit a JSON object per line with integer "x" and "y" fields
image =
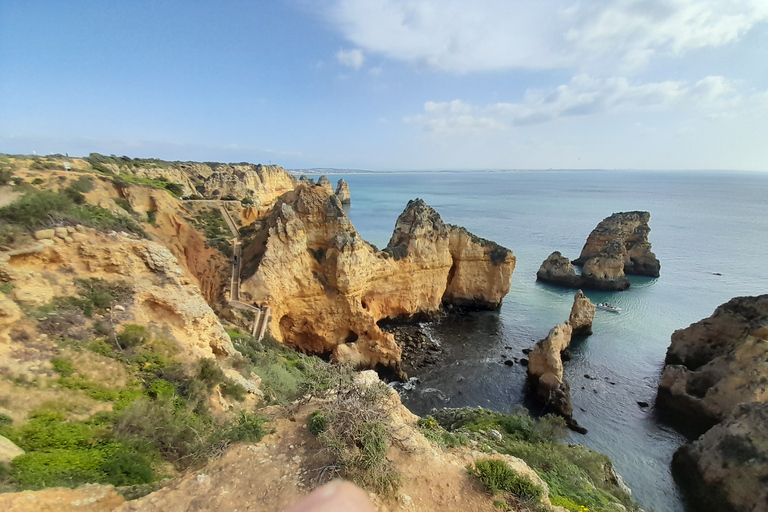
{"x": 725, "y": 470}
{"x": 328, "y": 287}
{"x": 163, "y": 297}
{"x": 342, "y": 192}
{"x": 605, "y": 271}
{"x": 324, "y": 182}
{"x": 262, "y": 184}
{"x": 717, "y": 363}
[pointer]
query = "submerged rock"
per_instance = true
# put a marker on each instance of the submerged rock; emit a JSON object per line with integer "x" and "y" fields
{"x": 342, "y": 192}
{"x": 726, "y": 469}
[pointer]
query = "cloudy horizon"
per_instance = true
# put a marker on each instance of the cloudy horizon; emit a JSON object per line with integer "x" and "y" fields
{"x": 392, "y": 84}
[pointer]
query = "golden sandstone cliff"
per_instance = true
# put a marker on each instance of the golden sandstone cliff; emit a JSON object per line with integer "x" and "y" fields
{"x": 328, "y": 287}
{"x": 716, "y": 373}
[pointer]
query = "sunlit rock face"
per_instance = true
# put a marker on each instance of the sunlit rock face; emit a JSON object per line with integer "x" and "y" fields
{"x": 328, "y": 287}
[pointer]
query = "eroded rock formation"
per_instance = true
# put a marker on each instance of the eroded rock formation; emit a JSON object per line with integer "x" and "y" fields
{"x": 263, "y": 184}
{"x": 631, "y": 228}
{"x": 582, "y": 314}
{"x": 717, "y": 363}
{"x": 558, "y": 270}
{"x": 324, "y": 182}
{"x": 616, "y": 247}
{"x": 725, "y": 470}
{"x": 342, "y": 192}
{"x": 545, "y": 361}
{"x": 328, "y": 287}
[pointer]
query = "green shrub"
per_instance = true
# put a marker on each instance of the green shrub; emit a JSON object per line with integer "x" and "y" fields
{"x": 62, "y": 366}
{"x": 36, "y": 209}
{"x": 5, "y": 420}
{"x": 82, "y": 184}
{"x": 133, "y": 336}
{"x": 38, "y": 181}
{"x": 209, "y": 373}
{"x": 566, "y": 503}
{"x": 498, "y": 477}
{"x": 232, "y": 389}
{"x": 249, "y": 428}
{"x": 316, "y": 423}
{"x": 432, "y": 430}
{"x": 151, "y": 216}
{"x": 94, "y": 296}
{"x": 76, "y": 196}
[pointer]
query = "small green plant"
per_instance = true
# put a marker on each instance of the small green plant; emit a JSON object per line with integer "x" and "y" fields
{"x": 38, "y": 181}
{"x": 497, "y": 477}
{"x": 83, "y": 184}
{"x": 133, "y": 336}
{"x": 249, "y": 428}
{"x": 63, "y": 366}
{"x": 152, "y": 216}
{"x": 316, "y": 423}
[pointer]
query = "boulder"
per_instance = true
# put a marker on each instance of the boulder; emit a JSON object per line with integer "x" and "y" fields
{"x": 558, "y": 270}
{"x": 342, "y": 192}
{"x": 725, "y": 470}
{"x": 87, "y": 498}
{"x": 717, "y": 363}
{"x": 45, "y": 234}
{"x": 8, "y": 450}
{"x": 582, "y": 314}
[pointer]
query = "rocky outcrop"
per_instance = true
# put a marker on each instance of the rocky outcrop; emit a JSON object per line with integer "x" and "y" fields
{"x": 717, "y": 363}
{"x": 324, "y": 182}
{"x": 8, "y": 450}
{"x": 342, "y": 192}
{"x": 582, "y": 314}
{"x": 631, "y": 229}
{"x": 545, "y": 374}
{"x": 262, "y": 184}
{"x": 605, "y": 271}
{"x": 616, "y": 247}
{"x": 558, "y": 270}
{"x": 87, "y": 498}
{"x": 725, "y": 470}
{"x": 164, "y": 296}
{"x": 328, "y": 287}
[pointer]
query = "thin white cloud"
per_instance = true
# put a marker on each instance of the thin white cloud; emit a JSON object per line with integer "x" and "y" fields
{"x": 352, "y": 58}
{"x": 460, "y": 36}
{"x": 583, "y": 96}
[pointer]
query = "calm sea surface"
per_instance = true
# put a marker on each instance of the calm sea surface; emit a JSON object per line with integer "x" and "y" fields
{"x": 709, "y": 230}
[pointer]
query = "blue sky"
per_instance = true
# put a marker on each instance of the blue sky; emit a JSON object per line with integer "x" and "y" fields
{"x": 391, "y": 84}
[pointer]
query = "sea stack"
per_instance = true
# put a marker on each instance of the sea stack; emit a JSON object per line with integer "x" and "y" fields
{"x": 342, "y": 192}
{"x": 582, "y": 314}
{"x": 324, "y": 182}
{"x": 617, "y": 246}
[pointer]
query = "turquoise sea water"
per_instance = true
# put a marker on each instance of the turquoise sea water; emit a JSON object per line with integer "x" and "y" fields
{"x": 702, "y": 224}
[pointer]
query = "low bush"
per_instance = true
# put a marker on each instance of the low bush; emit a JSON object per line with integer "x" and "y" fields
{"x": 356, "y": 435}
{"x": 497, "y": 477}
{"x": 132, "y": 336}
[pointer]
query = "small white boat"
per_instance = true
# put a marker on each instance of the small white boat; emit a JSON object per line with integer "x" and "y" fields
{"x": 608, "y": 307}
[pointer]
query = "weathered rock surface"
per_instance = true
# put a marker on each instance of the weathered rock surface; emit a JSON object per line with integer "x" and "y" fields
{"x": 726, "y": 469}
{"x": 263, "y": 184}
{"x": 342, "y": 192}
{"x": 605, "y": 271}
{"x": 88, "y": 498}
{"x": 545, "y": 373}
{"x": 582, "y": 314}
{"x": 324, "y": 182}
{"x": 328, "y": 287}
{"x": 164, "y": 295}
{"x": 616, "y": 247}
{"x": 631, "y": 228}
{"x": 717, "y": 363}
{"x": 8, "y": 450}
{"x": 558, "y": 270}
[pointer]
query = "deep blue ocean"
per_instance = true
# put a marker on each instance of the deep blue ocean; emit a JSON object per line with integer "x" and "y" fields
{"x": 708, "y": 229}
